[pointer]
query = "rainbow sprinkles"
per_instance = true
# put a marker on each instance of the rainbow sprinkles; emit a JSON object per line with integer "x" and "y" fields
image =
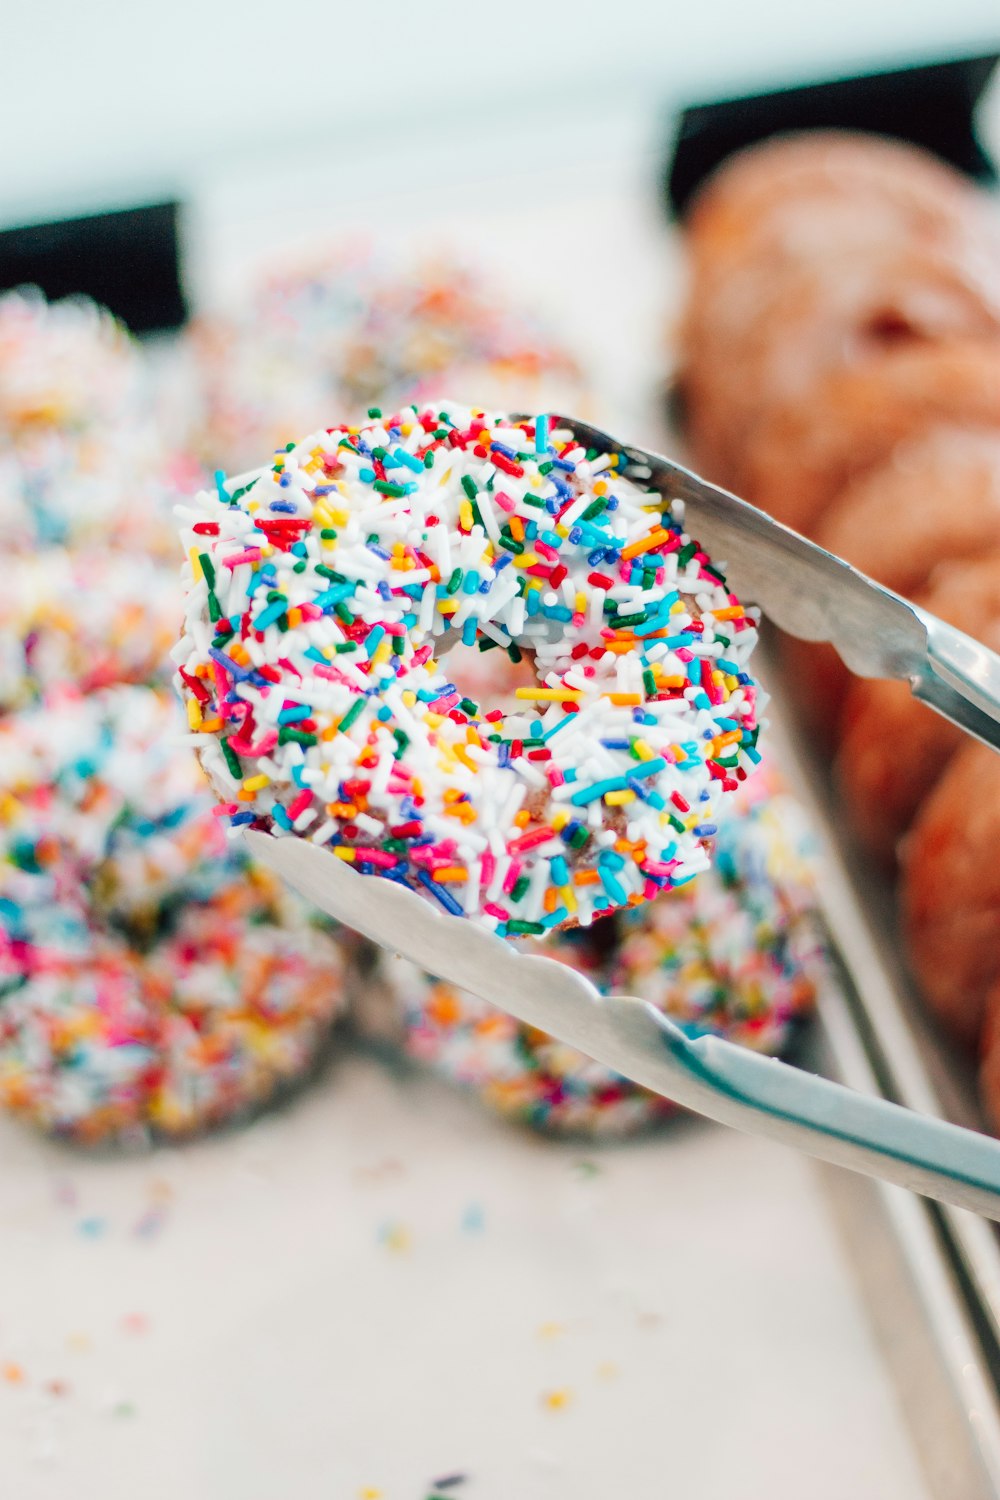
{"x": 323, "y": 594}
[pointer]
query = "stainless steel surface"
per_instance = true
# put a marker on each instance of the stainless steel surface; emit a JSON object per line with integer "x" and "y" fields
{"x": 916, "y": 1065}
{"x": 926, "y": 1334}
{"x": 713, "y": 1077}
{"x": 813, "y": 595}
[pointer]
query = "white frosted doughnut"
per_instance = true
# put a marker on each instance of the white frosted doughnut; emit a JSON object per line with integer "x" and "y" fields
{"x": 319, "y": 590}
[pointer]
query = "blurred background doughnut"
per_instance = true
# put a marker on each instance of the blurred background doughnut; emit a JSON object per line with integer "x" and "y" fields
{"x": 99, "y": 794}
{"x": 149, "y": 975}
{"x": 85, "y": 620}
{"x": 83, "y": 458}
{"x": 892, "y": 748}
{"x": 806, "y": 450}
{"x": 936, "y": 499}
{"x": 773, "y": 335}
{"x": 950, "y": 892}
{"x": 735, "y": 953}
{"x": 810, "y": 254}
{"x": 356, "y": 327}
{"x": 102, "y": 1041}
{"x": 771, "y": 198}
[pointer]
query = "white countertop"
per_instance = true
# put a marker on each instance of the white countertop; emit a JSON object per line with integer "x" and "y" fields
{"x": 383, "y": 1285}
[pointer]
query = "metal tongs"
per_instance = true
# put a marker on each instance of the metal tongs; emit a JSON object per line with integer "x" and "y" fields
{"x": 815, "y": 596}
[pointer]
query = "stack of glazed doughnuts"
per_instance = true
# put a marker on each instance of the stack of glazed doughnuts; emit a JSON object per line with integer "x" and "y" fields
{"x": 841, "y": 369}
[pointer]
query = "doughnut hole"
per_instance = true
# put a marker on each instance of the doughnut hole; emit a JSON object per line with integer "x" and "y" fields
{"x": 489, "y": 678}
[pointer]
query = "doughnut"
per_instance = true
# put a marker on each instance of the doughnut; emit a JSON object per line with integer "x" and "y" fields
{"x": 805, "y": 451}
{"x": 892, "y": 747}
{"x": 68, "y": 364}
{"x": 823, "y": 191}
{"x": 812, "y": 251}
{"x": 523, "y": 1073}
{"x": 733, "y": 953}
{"x": 736, "y": 952}
{"x": 950, "y": 891}
{"x": 148, "y": 974}
{"x": 353, "y": 328}
{"x": 82, "y": 460}
{"x": 100, "y": 1041}
{"x": 936, "y": 499}
{"x": 100, "y": 802}
{"x": 317, "y": 591}
{"x": 85, "y": 620}
{"x": 773, "y": 332}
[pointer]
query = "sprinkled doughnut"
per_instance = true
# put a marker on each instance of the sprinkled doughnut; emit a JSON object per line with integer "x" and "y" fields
{"x": 101, "y": 1041}
{"x": 82, "y": 460}
{"x": 148, "y": 975}
{"x": 889, "y": 523}
{"x": 951, "y": 890}
{"x": 892, "y": 747}
{"x": 733, "y": 953}
{"x": 67, "y": 364}
{"x": 358, "y": 327}
{"x": 100, "y": 804}
{"x": 318, "y": 591}
{"x": 736, "y": 952}
{"x": 522, "y": 1073}
{"x": 85, "y": 620}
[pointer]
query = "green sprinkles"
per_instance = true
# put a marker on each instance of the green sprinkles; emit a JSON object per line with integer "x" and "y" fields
{"x": 232, "y": 759}
{"x": 351, "y": 714}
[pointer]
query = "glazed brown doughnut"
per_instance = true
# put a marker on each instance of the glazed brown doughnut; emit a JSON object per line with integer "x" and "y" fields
{"x": 783, "y": 193}
{"x": 936, "y": 499}
{"x": 771, "y": 332}
{"x": 808, "y": 252}
{"x": 951, "y": 896}
{"x": 892, "y": 747}
{"x": 807, "y": 450}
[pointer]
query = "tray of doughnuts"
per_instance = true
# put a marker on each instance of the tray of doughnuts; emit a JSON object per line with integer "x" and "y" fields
{"x": 839, "y": 367}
